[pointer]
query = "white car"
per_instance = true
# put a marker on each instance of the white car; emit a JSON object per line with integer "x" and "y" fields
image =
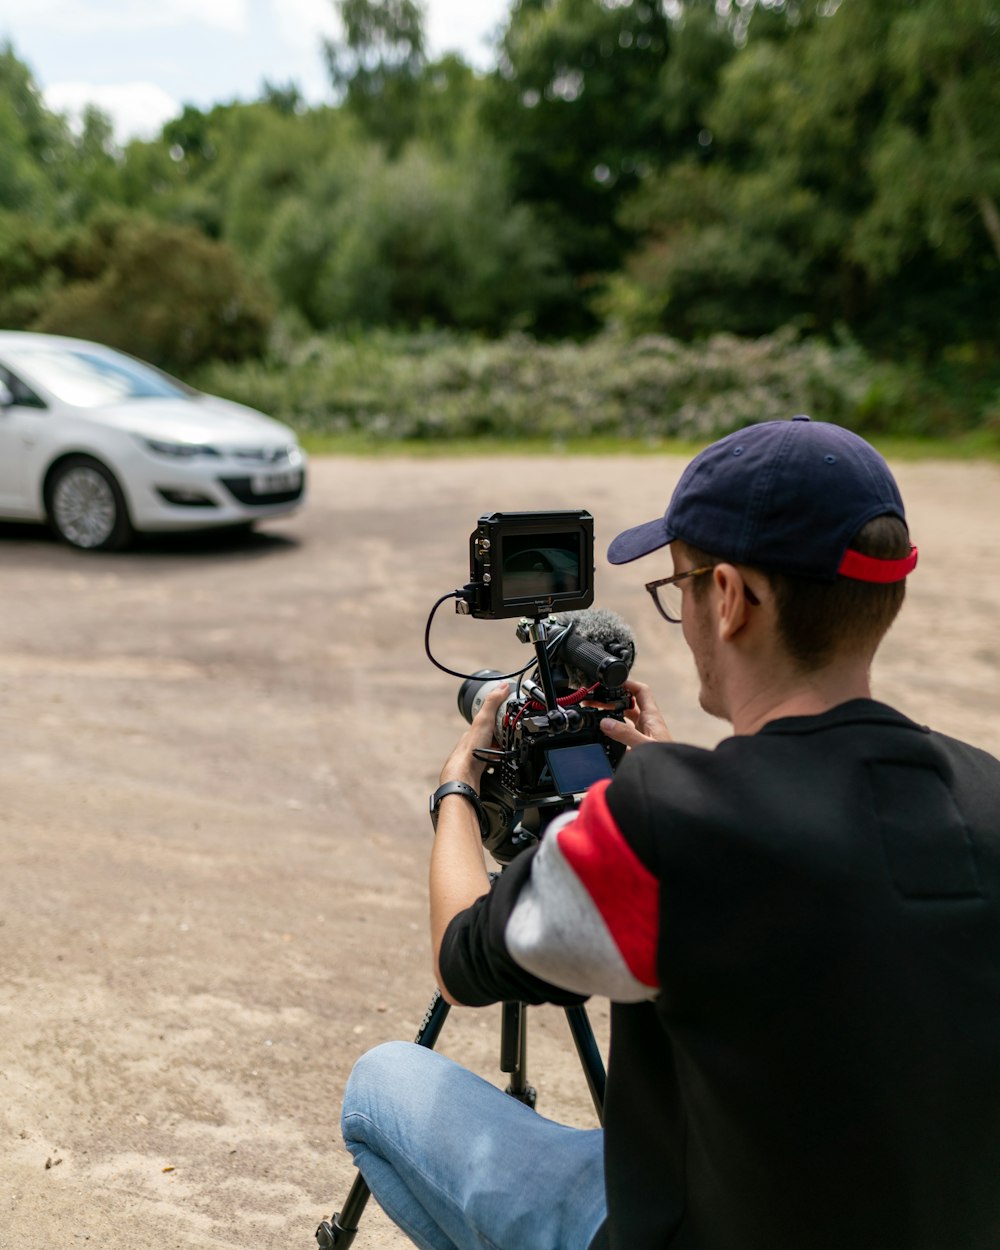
{"x": 101, "y": 446}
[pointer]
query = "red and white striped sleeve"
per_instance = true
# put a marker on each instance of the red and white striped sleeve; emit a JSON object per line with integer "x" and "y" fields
{"x": 587, "y": 919}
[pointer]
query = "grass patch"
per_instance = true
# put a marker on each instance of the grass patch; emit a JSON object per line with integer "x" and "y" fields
{"x": 981, "y": 444}
{"x": 359, "y": 445}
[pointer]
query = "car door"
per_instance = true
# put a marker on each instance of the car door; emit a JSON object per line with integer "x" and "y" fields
{"x": 19, "y": 433}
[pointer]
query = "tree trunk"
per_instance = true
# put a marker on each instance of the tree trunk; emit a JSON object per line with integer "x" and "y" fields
{"x": 987, "y": 206}
{"x": 985, "y": 202}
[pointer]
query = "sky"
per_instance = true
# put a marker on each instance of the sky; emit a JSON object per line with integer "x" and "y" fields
{"x": 142, "y": 60}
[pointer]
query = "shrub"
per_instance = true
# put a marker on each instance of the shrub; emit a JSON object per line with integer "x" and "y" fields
{"x": 437, "y": 387}
{"x": 166, "y": 294}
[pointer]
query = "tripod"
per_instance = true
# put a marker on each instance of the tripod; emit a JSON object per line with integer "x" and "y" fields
{"x": 342, "y": 1227}
{"x": 340, "y": 1230}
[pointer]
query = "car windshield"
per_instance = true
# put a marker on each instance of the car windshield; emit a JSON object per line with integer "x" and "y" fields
{"x": 87, "y": 378}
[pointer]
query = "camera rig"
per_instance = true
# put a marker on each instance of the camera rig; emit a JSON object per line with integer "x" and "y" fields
{"x": 539, "y": 566}
{"x": 532, "y": 565}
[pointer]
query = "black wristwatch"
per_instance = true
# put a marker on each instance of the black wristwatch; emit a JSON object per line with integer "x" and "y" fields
{"x": 467, "y": 792}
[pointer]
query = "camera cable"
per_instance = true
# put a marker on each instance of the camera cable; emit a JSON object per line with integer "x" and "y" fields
{"x": 461, "y": 594}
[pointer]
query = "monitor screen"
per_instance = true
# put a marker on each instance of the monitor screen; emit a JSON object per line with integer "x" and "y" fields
{"x": 535, "y": 566}
{"x": 575, "y": 769}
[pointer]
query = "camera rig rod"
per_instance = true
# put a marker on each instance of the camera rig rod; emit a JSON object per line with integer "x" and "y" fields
{"x": 535, "y": 631}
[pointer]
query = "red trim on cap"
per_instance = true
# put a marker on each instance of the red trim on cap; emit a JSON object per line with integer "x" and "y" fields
{"x": 871, "y": 569}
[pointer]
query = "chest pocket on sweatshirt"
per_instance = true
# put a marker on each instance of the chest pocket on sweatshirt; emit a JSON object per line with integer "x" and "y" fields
{"x": 927, "y": 844}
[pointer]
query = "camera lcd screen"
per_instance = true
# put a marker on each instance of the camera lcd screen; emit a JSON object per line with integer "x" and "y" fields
{"x": 535, "y": 566}
{"x": 575, "y": 769}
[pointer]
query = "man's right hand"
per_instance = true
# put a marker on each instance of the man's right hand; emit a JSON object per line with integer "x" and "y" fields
{"x": 644, "y": 721}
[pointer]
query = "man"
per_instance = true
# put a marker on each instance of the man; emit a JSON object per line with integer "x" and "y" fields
{"x": 799, "y": 930}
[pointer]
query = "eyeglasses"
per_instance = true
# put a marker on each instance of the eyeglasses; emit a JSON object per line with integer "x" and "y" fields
{"x": 668, "y": 596}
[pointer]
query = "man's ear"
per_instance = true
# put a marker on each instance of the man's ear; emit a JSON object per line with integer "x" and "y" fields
{"x": 732, "y": 600}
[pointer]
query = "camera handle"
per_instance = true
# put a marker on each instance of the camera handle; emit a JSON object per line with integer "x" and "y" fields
{"x": 339, "y": 1231}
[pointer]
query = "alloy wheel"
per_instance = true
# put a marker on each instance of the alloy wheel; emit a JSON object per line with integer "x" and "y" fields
{"x": 84, "y": 507}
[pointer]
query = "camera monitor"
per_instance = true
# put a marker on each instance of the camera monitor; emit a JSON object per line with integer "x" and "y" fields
{"x": 531, "y": 563}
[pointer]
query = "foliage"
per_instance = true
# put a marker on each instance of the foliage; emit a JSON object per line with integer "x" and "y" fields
{"x": 166, "y": 294}
{"x": 33, "y": 143}
{"x": 37, "y": 260}
{"x": 575, "y": 108}
{"x": 936, "y": 157}
{"x": 440, "y": 389}
{"x": 379, "y": 64}
{"x": 854, "y": 180}
{"x": 421, "y": 241}
{"x": 678, "y": 168}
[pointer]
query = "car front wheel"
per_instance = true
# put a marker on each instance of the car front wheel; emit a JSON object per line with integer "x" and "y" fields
{"x": 86, "y": 506}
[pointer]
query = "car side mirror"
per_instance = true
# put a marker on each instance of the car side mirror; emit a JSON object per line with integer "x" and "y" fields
{"x": 6, "y": 396}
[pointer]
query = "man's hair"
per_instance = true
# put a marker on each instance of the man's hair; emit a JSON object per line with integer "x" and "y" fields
{"x": 818, "y": 619}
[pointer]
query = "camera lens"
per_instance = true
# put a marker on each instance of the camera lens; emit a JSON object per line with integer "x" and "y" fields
{"x": 475, "y": 689}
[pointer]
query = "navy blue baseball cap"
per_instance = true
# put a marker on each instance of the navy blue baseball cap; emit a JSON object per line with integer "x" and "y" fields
{"x": 784, "y": 495}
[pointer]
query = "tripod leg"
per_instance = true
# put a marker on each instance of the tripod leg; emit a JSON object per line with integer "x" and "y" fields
{"x": 590, "y": 1056}
{"x": 433, "y": 1021}
{"x": 514, "y": 1052}
{"x": 342, "y": 1227}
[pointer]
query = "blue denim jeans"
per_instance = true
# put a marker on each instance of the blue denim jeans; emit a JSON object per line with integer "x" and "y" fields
{"x": 460, "y": 1165}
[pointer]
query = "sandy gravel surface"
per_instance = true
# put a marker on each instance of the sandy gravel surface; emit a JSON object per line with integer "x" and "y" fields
{"x": 215, "y": 757}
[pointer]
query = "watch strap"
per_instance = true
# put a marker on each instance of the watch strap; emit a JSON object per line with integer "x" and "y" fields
{"x": 467, "y": 792}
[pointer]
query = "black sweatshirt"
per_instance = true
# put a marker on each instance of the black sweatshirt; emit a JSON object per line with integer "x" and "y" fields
{"x": 800, "y": 934}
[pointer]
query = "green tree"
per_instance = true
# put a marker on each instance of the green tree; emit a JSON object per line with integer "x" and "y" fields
{"x": 935, "y": 160}
{"x": 224, "y": 170}
{"x": 34, "y": 142}
{"x": 588, "y": 103}
{"x": 284, "y": 97}
{"x": 44, "y": 134}
{"x": 23, "y": 185}
{"x": 378, "y": 65}
{"x": 448, "y": 108}
{"x": 165, "y": 293}
{"x": 28, "y": 274}
{"x": 426, "y": 239}
{"x": 272, "y": 158}
{"x": 853, "y": 179}
{"x": 93, "y": 168}
{"x": 150, "y": 179}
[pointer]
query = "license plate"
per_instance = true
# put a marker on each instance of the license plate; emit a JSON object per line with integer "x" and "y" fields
{"x": 275, "y": 483}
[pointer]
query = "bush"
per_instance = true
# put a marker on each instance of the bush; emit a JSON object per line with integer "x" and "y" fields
{"x": 441, "y": 387}
{"x": 166, "y": 294}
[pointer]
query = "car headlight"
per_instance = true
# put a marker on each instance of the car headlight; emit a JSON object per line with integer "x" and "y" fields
{"x": 177, "y": 451}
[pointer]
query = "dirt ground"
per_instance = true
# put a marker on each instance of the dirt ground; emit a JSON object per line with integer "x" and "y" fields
{"x": 215, "y": 756}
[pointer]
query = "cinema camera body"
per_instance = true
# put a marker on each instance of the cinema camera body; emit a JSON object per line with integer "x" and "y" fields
{"x": 539, "y": 566}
